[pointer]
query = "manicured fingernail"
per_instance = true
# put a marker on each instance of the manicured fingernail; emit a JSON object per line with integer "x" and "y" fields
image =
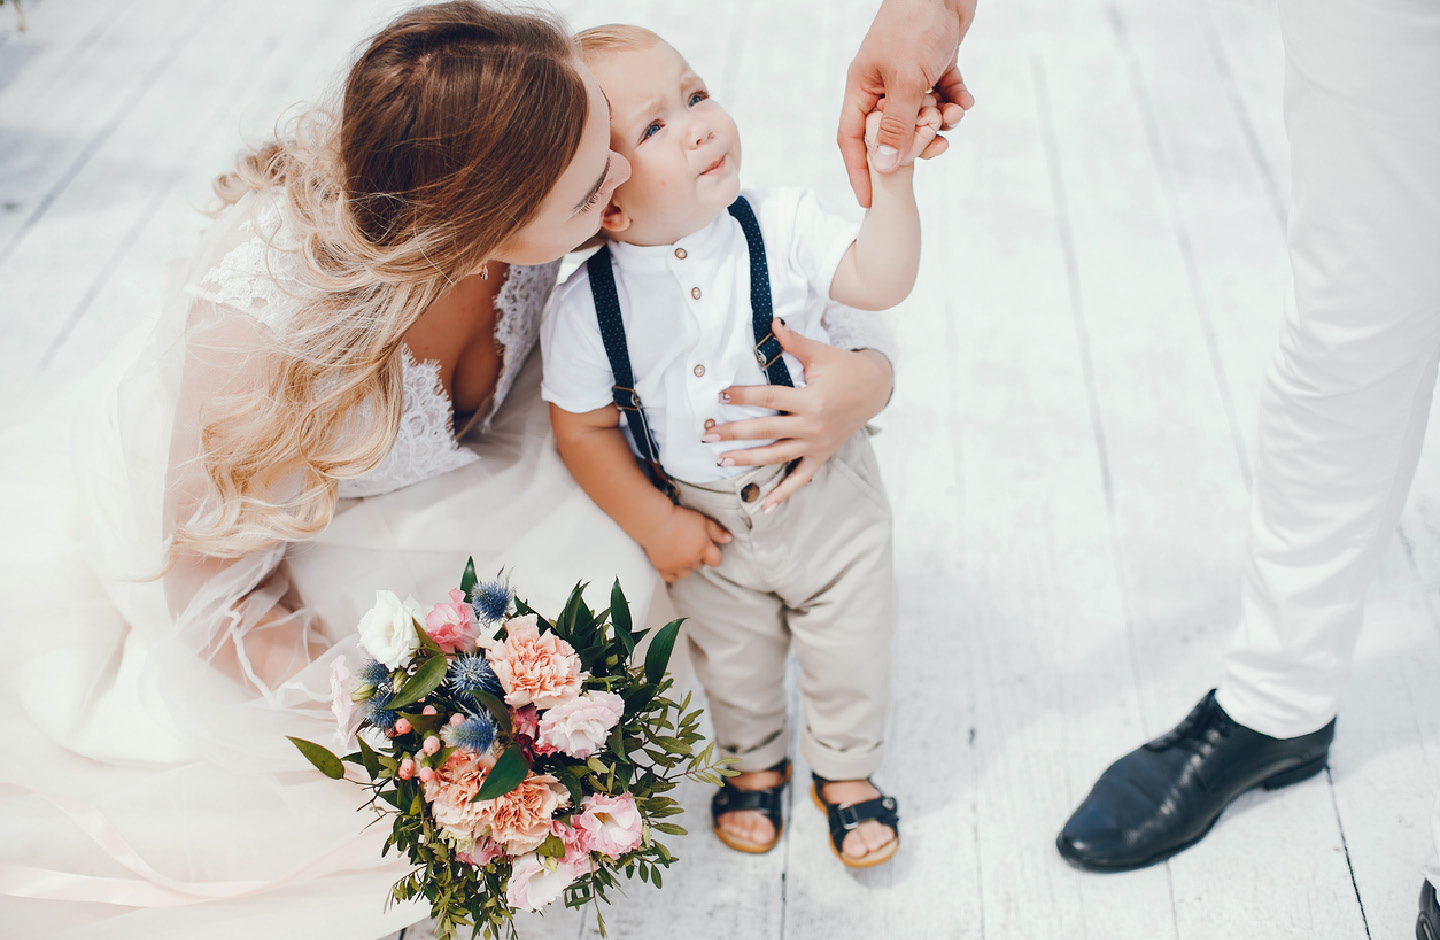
{"x": 771, "y": 507}
{"x": 709, "y": 438}
{"x": 725, "y": 397}
{"x": 726, "y": 461}
{"x": 886, "y": 158}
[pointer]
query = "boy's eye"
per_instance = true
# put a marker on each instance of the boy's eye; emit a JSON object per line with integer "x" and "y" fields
{"x": 650, "y": 130}
{"x": 697, "y": 97}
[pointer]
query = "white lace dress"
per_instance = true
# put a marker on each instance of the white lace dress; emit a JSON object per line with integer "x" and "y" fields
{"x": 147, "y": 793}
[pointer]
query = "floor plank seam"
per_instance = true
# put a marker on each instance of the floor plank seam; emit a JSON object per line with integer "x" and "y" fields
{"x": 1165, "y": 169}
{"x": 96, "y": 142}
{"x": 1247, "y": 126}
{"x": 1345, "y": 848}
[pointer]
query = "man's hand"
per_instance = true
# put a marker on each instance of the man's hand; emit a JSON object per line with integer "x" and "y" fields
{"x": 909, "y": 51}
{"x": 683, "y": 542}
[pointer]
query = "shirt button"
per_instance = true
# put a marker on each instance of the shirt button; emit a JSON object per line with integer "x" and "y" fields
{"x": 680, "y": 253}
{"x": 699, "y": 372}
{"x": 750, "y": 493}
{"x": 695, "y": 292}
{"x": 709, "y": 423}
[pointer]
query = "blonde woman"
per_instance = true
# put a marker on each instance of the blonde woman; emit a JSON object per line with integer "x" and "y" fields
{"x": 336, "y": 399}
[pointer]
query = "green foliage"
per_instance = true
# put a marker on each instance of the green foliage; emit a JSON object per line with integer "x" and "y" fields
{"x": 656, "y": 744}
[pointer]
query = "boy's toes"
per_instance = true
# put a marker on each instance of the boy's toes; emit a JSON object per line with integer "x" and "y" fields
{"x": 869, "y": 837}
{"x": 751, "y": 827}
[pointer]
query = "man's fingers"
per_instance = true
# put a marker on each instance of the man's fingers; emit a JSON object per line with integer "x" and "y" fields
{"x": 851, "y": 138}
{"x": 903, "y": 96}
{"x": 802, "y": 474}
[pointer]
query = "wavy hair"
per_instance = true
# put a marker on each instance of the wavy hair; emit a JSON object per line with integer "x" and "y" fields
{"x": 455, "y": 122}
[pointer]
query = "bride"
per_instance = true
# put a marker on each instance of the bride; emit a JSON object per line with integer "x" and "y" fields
{"x": 335, "y": 398}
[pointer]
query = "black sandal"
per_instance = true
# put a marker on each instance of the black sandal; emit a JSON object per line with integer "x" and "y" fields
{"x": 765, "y": 801}
{"x": 845, "y": 817}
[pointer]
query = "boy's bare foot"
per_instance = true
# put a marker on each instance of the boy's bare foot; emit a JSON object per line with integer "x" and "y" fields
{"x": 750, "y": 826}
{"x": 866, "y": 834}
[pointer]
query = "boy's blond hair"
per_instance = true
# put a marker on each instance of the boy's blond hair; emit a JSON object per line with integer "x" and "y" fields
{"x": 614, "y": 36}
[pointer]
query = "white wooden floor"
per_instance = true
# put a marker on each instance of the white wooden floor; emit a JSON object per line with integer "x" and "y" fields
{"x": 1067, "y": 450}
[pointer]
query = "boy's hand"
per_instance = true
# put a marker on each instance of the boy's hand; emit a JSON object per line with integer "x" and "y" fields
{"x": 925, "y": 142}
{"x": 684, "y": 542}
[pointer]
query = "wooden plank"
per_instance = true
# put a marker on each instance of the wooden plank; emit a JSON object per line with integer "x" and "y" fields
{"x": 1179, "y": 499}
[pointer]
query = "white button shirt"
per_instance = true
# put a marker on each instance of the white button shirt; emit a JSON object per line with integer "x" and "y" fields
{"x": 686, "y": 309}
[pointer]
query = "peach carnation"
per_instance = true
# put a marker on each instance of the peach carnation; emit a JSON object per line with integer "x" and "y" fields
{"x": 533, "y": 667}
{"x": 450, "y": 790}
{"x": 520, "y": 820}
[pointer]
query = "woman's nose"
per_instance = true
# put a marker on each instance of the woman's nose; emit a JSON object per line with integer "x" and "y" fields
{"x": 619, "y": 170}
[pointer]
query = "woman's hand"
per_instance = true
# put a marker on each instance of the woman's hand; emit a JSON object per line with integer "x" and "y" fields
{"x": 843, "y": 390}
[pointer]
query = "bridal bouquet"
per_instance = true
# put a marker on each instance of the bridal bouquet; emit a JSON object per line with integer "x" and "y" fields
{"x": 519, "y": 758}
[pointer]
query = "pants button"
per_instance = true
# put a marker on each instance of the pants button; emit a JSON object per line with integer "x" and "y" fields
{"x": 750, "y": 492}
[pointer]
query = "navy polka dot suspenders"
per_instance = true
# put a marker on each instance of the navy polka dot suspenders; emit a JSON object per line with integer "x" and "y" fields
{"x": 612, "y": 331}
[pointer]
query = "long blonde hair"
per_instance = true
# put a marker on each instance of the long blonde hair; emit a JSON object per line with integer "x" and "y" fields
{"x": 455, "y": 123}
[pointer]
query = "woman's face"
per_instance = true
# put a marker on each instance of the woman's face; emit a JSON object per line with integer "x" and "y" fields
{"x": 572, "y": 211}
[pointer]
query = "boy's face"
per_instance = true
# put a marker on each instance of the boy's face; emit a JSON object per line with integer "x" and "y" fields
{"x": 683, "y": 149}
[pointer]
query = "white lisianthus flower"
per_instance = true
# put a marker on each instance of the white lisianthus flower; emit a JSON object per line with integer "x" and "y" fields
{"x": 387, "y": 631}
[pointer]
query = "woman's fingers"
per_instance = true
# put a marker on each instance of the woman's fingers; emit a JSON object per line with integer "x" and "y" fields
{"x": 796, "y": 478}
{"x": 782, "y": 451}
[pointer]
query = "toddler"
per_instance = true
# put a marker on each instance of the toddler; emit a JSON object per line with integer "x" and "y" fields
{"x": 676, "y": 308}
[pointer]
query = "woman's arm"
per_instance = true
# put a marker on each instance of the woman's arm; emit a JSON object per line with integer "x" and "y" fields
{"x": 843, "y": 390}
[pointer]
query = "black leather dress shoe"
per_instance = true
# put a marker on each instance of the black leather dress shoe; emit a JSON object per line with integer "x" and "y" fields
{"x": 1164, "y": 796}
{"x": 1427, "y": 925}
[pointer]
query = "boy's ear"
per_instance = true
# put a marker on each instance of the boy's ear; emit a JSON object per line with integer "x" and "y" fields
{"x": 614, "y": 219}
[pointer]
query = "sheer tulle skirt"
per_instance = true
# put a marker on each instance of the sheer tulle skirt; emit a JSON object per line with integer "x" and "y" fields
{"x": 144, "y": 793}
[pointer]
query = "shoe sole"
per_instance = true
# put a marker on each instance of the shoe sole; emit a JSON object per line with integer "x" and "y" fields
{"x": 1273, "y": 782}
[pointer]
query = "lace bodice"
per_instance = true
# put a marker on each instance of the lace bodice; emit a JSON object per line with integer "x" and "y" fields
{"x": 258, "y": 274}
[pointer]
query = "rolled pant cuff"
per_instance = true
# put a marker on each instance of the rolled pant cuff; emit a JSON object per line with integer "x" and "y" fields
{"x": 762, "y": 758}
{"x": 843, "y": 765}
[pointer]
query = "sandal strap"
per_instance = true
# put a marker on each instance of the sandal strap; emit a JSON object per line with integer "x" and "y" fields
{"x": 730, "y": 800}
{"x": 842, "y": 818}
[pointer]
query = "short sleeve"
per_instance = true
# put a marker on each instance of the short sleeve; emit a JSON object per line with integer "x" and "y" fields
{"x": 811, "y": 238}
{"x": 577, "y": 374}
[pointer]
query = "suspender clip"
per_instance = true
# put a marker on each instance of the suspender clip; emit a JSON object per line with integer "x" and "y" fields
{"x": 776, "y": 349}
{"x": 626, "y": 399}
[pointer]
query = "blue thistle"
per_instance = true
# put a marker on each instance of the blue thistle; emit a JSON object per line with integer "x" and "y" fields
{"x": 472, "y": 672}
{"x": 475, "y": 733}
{"x": 491, "y": 600}
{"x": 377, "y": 712}
{"x": 373, "y": 673}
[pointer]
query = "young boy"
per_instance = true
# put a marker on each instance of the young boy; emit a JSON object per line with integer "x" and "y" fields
{"x": 675, "y": 309}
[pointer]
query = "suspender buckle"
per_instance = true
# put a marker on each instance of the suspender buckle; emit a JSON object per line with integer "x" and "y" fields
{"x": 775, "y": 349}
{"x": 626, "y": 399}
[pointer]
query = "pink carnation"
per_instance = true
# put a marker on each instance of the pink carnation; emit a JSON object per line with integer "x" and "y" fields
{"x": 520, "y": 820}
{"x": 533, "y": 667}
{"x": 450, "y": 789}
{"x": 535, "y": 882}
{"x": 484, "y": 852}
{"x": 613, "y": 823}
{"x": 452, "y": 626}
{"x": 578, "y": 727}
{"x": 577, "y": 841}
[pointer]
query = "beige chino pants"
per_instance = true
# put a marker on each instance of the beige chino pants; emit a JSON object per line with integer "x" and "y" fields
{"x": 815, "y": 574}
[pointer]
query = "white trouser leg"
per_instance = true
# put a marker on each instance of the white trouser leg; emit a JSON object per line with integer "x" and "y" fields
{"x": 1347, "y": 396}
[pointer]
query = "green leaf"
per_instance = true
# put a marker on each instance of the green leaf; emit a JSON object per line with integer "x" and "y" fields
{"x": 426, "y": 680}
{"x": 468, "y": 579}
{"x": 505, "y": 776}
{"x": 425, "y": 641}
{"x": 565, "y": 623}
{"x": 657, "y": 658}
{"x": 324, "y": 761}
{"x": 571, "y": 778}
{"x": 369, "y": 759}
{"x": 620, "y": 618}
